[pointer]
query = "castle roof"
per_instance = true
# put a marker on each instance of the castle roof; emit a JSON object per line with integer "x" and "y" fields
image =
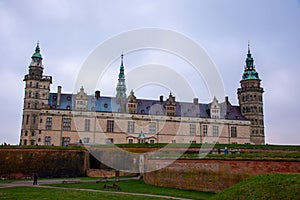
{"x": 145, "y": 106}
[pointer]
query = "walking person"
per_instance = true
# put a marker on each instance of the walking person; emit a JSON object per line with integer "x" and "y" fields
{"x": 35, "y": 177}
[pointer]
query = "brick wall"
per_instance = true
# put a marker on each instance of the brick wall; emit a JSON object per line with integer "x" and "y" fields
{"x": 213, "y": 175}
{"x": 17, "y": 163}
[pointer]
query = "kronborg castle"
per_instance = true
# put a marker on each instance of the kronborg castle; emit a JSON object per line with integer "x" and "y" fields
{"x": 60, "y": 119}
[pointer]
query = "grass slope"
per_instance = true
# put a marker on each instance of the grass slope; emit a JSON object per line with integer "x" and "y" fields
{"x": 138, "y": 186}
{"x": 269, "y": 186}
{"x": 28, "y": 193}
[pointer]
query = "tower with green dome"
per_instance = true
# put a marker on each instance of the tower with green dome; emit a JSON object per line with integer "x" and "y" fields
{"x": 37, "y": 88}
{"x": 250, "y": 96}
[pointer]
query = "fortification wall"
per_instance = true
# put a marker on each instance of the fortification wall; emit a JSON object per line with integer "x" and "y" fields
{"x": 17, "y": 163}
{"x": 213, "y": 175}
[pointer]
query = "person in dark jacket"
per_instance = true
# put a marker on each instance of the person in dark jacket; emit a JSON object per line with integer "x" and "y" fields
{"x": 35, "y": 177}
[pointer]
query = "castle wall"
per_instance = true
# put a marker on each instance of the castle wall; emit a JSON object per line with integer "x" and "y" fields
{"x": 168, "y": 129}
{"x": 213, "y": 175}
{"x": 16, "y": 163}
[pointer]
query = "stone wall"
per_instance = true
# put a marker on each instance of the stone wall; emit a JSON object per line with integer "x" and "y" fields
{"x": 213, "y": 175}
{"x": 18, "y": 163}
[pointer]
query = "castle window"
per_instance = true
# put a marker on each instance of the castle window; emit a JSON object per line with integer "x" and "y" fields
{"x": 152, "y": 127}
{"x": 87, "y": 125}
{"x": 47, "y": 140}
{"x": 28, "y": 105}
{"x": 29, "y": 95}
{"x": 30, "y": 84}
{"x": 204, "y": 130}
{"x": 215, "y": 131}
{"x": 32, "y": 133}
{"x": 130, "y": 141}
{"x": 110, "y": 126}
{"x": 65, "y": 141}
{"x": 25, "y": 142}
{"x": 27, "y": 119}
{"x": 36, "y": 95}
{"x": 68, "y": 107}
{"x": 33, "y": 119}
{"x": 192, "y": 130}
{"x": 26, "y": 133}
{"x": 130, "y": 127}
{"x": 48, "y": 123}
{"x": 233, "y": 131}
{"x": 109, "y": 141}
{"x": 105, "y": 105}
{"x": 37, "y": 84}
{"x": 151, "y": 141}
{"x": 86, "y": 140}
{"x": 66, "y": 124}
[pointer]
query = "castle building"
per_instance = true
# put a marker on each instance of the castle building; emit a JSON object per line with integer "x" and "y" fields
{"x": 60, "y": 119}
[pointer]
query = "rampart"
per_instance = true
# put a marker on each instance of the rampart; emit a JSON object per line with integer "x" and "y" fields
{"x": 214, "y": 175}
{"x": 17, "y": 163}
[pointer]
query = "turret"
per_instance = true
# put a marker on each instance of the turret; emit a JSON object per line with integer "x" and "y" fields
{"x": 250, "y": 97}
{"x": 37, "y": 87}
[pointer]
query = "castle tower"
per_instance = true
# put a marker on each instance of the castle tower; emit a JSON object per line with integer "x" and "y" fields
{"x": 121, "y": 88}
{"x": 131, "y": 103}
{"x": 37, "y": 89}
{"x": 250, "y": 97}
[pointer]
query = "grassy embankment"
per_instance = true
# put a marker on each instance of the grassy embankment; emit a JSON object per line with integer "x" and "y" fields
{"x": 264, "y": 187}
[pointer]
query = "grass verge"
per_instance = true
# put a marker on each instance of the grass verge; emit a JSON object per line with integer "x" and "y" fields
{"x": 138, "y": 186}
{"x": 29, "y": 193}
{"x": 264, "y": 187}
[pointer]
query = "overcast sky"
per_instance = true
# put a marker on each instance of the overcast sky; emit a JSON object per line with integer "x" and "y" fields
{"x": 69, "y": 30}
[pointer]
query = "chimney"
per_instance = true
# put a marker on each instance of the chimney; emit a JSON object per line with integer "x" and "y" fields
{"x": 58, "y": 95}
{"x": 226, "y": 100}
{"x": 161, "y": 98}
{"x": 195, "y": 101}
{"x": 97, "y": 94}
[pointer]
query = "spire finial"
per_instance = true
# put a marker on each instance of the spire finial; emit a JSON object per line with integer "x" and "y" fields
{"x": 248, "y": 46}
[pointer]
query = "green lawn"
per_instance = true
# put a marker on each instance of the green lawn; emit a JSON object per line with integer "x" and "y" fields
{"x": 29, "y": 193}
{"x": 264, "y": 187}
{"x": 138, "y": 186}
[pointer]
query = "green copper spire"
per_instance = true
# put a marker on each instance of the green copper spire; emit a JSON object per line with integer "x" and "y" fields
{"x": 249, "y": 60}
{"x": 37, "y": 53}
{"x": 249, "y": 70}
{"x": 121, "y": 74}
{"x": 121, "y": 87}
